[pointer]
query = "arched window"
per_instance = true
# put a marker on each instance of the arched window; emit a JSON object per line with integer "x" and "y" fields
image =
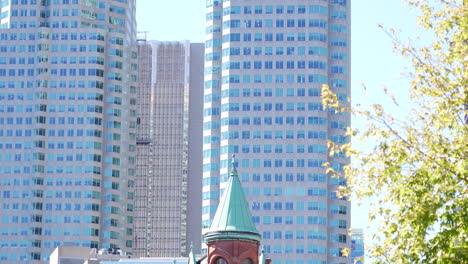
{"x": 247, "y": 261}
{"x": 220, "y": 261}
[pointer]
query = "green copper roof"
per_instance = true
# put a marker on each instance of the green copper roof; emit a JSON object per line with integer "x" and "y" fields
{"x": 233, "y": 220}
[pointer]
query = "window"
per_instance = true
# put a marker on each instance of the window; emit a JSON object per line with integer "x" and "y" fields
{"x": 278, "y": 176}
{"x": 279, "y": 9}
{"x": 279, "y": 37}
{"x": 336, "y": 252}
{"x": 301, "y": 9}
{"x": 245, "y": 261}
{"x": 339, "y": 2}
{"x": 278, "y": 206}
{"x": 278, "y": 220}
{"x": 258, "y": 9}
{"x": 222, "y": 261}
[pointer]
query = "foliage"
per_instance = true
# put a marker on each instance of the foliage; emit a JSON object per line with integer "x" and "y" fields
{"x": 417, "y": 173}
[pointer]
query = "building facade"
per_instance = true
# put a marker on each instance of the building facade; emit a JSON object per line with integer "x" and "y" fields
{"x": 265, "y": 64}
{"x": 169, "y": 134}
{"x": 357, "y": 246}
{"x": 68, "y": 74}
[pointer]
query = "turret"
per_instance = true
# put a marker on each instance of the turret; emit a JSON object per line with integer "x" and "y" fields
{"x": 232, "y": 237}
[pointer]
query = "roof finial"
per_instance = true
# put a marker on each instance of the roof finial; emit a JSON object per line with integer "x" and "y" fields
{"x": 262, "y": 259}
{"x": 233, "y": 170}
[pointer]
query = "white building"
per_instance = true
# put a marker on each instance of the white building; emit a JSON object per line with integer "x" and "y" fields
{"x": 68, "y": 77}
{"x": 266, "y": 62}
{"x": 82, "y": 255}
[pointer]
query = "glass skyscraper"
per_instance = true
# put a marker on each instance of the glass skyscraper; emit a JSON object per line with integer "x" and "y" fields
{"x": 67, "y": 126}
{"x": 357, "y": 246}
{"x": 265, "y": 64}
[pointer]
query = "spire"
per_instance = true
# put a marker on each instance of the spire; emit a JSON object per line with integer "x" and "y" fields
{"x": 192, "y": 258}
{"x": 262, "y": 259}
{"x": 233, "y": 220}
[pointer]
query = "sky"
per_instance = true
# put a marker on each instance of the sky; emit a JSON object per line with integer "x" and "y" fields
{"x": 373, "y": 61}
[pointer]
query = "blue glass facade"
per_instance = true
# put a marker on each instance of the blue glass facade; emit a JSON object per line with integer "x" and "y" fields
{"x": 67, "y": 126}
{"x": 357, "y": 246}
{"x": 265, "y": 64}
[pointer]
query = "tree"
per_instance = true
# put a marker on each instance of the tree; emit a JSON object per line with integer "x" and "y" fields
{"x": 417, "y": 173}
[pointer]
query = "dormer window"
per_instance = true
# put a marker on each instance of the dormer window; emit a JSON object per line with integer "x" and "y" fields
{"x": 222, "y": 261}
{"x": 247, "y": 261}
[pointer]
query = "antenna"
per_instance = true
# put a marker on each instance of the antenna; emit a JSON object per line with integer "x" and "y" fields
{"x": 142, "y": 35}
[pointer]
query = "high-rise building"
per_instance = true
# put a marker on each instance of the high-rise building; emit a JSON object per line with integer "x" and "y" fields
{"x": 67, "y": 126}
{"x": 169, "y": 136}
{"x": 357, "y": 246}
{"x": 265, "y": 64}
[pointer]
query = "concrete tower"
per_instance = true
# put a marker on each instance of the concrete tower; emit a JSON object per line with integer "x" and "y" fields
{"x": 169, "y": 135}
